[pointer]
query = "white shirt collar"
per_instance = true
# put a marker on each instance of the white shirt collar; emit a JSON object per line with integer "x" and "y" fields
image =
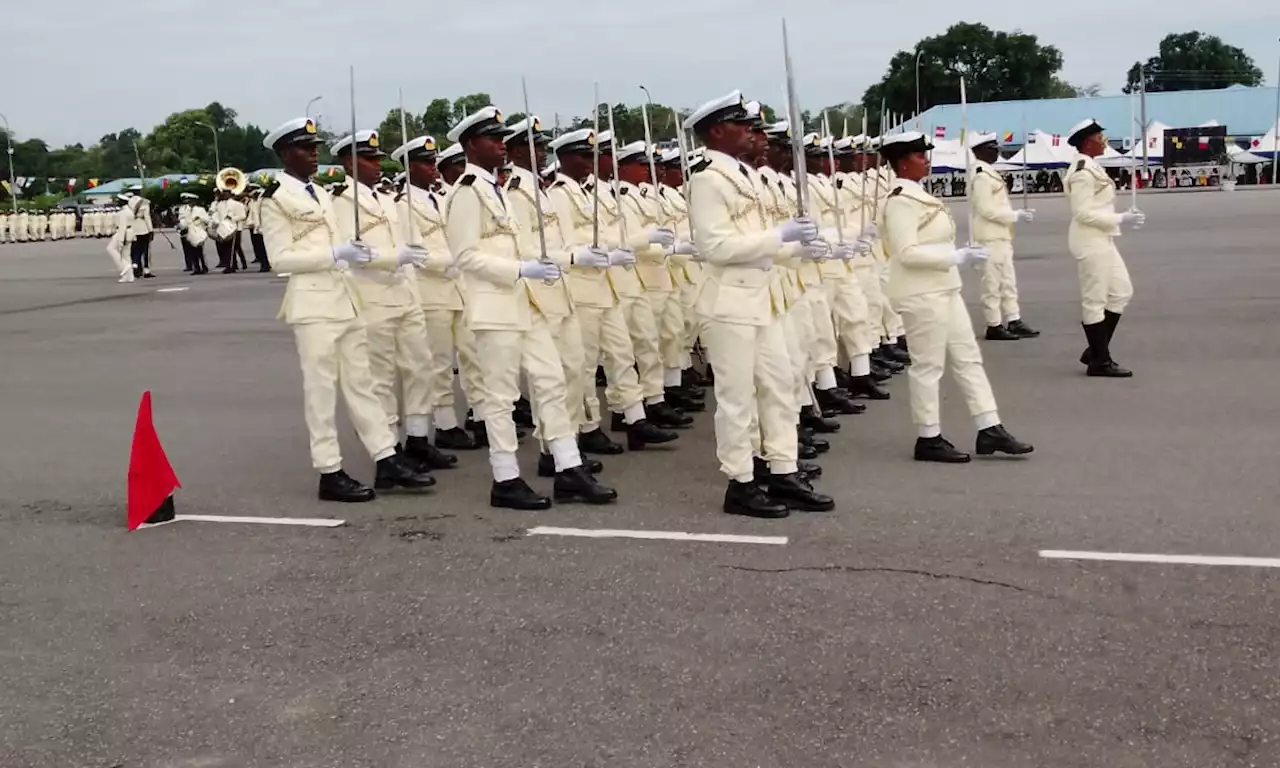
{"x": 287, "y": 179}
{"x": 480, "y": 173}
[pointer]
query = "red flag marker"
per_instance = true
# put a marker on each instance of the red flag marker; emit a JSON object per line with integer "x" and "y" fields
{"x": 151, "y": 478}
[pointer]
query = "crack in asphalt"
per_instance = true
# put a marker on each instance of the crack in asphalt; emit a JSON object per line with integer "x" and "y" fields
{"x": 901, "y": 571}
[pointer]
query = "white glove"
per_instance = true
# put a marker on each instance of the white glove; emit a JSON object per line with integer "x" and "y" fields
{"x": 818, "y": 250}
{"x": 411, "y": 254}
{"x": 864, "y": 243}
{"x": 622, "y": 257}
{"x": 1133, "y": 219}
{"x": 684, "y": 248}
{"x": 661, "y": 236}
{"x": 1026, "y": 214}
{"x": 539, "y": 270}
{"x": 797, "y": 230}
{"x": 843, "y": 252}
{"x": 350, "y": 252}
{"x": 339, "y": 265}
{"x": 871, "y": 232}
{"x": 591, "y": 256}
{"x": 698, "y": 257}
{"x": 451, "y": 272}
{"x": 972, "y": 254}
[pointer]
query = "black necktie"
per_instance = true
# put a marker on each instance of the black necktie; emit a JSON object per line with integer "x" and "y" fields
{"x": 312, "y": 191}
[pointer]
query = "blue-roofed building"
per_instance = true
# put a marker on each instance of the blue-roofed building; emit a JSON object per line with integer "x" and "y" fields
{"x": 120, "y": 185}
{"x": 1246, "y": 112}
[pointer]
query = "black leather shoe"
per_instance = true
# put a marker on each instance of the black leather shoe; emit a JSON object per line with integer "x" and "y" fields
{"x": 643, "y": 433}
{"x": 597, "y": 442}
{"x": 617, "y": 423}
{"x": 843, "y": 377}
{"x": 1109, "y": 370}
{"x": 797, "y": 494}
{"x": 895, "y": 353}
{"x": 516, "y": 494}
{"x": 401, "y": 474}
{"x": 339, "y": 486}
{"x": 690, "y": 377}
{"x": 455, "y": 439}
{"x": 577, "y": 485}
{"x": 938, "y": 449}
{"x": 1000, "y": 333}
{"x": 810, "y": 418}
{"x": 808, "y": 471}
{"x": 747, "y": 499}
{"x": 901, "y": 343}
{"x": 879, "y": 373}
{"x": 664, "y": 415}
{"x": 547, "y": 465}
{"x": 806, "y": 452}
{"x": 679, "y": 399}
{"x": 998, "y": 440}
{"x": 601, "y": 379}
{"x": 833, "y": 400}
{"x": 420, "y": 448}
{"x": 1022, "y": 330}
{"x": 694, "y": 393}
{"x": 865, "y": 386}
{"x": 522, "y": 413}
{"x": 890, "y": 366}
{"x": 816, "y": 443}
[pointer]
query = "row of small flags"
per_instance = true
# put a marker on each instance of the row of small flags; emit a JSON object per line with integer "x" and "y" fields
{"x": 940, "y": 132}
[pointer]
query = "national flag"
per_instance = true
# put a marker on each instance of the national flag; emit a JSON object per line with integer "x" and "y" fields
{"x": 91, "y": 183}
{"x": 1007, "y": 138}
{"x": 24, "y": 182}
{"x": 164, "y": 183}
{"x": 940, "y": 132}
{"x": 7, "y": 189}
{"x": 71, "y": 184}
{"x": 1203, "y": 142}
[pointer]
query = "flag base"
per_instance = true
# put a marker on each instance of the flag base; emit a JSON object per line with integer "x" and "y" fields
{"x": 164, "y": 514}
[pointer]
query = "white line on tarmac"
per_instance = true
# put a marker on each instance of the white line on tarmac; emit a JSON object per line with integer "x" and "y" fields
{"x": 284, "y": 274}
{"x": 1128, "y": 557}
{"x": 603, "y": 533}
{"x": 172, "y": 290}
{"x": 314, "y": 522}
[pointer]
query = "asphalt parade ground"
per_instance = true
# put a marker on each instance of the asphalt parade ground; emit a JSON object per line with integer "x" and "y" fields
{"x": 920, "y": 625}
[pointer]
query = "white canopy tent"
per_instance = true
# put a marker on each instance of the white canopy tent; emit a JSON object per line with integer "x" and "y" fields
{"x": 1043, "y": 150}
{"x": 1265, "y": 146}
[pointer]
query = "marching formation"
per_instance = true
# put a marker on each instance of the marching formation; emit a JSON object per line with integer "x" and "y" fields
{"x": 806, "y": 270}
{"x": 28, "y": 226}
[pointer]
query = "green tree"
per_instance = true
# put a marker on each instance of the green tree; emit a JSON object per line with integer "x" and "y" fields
{"x": 438, "y": 119}
{"x": 1193, "y": 61}
{"x": 996, "y": 66}
{"x": 389, "y": 130}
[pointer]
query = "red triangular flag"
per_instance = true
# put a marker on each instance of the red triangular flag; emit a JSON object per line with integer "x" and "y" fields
{"x": 151, "y": 478}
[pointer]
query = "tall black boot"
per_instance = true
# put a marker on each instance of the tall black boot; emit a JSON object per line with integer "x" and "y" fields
{"x": 1100, "y": 362}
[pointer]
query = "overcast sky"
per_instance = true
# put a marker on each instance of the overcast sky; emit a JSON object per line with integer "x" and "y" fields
{"x": 267, "y": 58}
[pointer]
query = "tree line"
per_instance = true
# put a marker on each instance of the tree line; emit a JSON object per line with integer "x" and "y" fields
{"x": 996, "y": 65}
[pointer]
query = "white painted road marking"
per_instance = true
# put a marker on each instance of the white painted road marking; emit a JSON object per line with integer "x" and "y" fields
{"x": 315, "y": 522}
{"x": 1128, "y": 557}
{"x": 284, "y": 274}
{"x": 172, "y": 290}
{"x": 603, "y": 533}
